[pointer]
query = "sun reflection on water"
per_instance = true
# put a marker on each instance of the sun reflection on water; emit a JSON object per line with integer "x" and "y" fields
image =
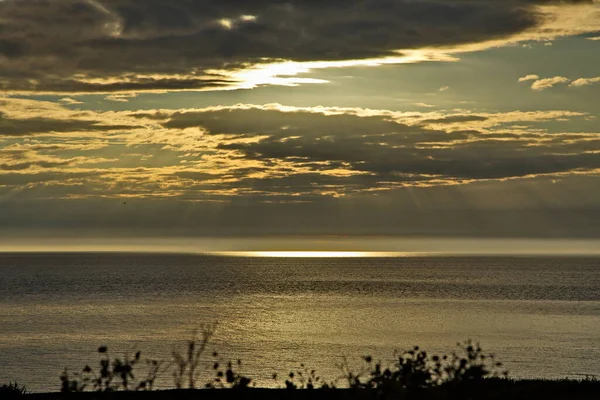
{"x": 314, "y": 254}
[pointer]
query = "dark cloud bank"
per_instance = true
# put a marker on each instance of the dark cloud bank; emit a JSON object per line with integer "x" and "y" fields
{"x": 120, "y": 45}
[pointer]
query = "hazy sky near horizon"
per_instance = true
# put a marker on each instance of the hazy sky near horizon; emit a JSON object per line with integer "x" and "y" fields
{"x": 373, "y": 117}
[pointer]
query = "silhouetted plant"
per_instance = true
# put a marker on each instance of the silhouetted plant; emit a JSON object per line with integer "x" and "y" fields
{"x": 412, "y": 370}
{"x": 111, "y": 376}
{"x": 186, "y": 365}
{"x": 415, "y": 369}
{"x": 153, "y": 370}
{"x": 12, "y": 390}
{"x": 230, "y": 378}
{"x": 473, "y": 365}
{"x": 305, "y": 379}
{"x": 73, "y": 383}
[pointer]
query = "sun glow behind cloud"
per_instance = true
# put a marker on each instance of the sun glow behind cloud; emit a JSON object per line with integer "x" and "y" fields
{"x": 284, "y": 72}
{"x": 559, "y": 22}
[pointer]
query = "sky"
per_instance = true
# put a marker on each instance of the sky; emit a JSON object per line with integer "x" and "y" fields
{"x": 273, "y": 118}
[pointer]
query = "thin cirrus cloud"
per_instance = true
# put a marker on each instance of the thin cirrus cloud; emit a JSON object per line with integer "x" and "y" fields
{"x": 102, "y": 46}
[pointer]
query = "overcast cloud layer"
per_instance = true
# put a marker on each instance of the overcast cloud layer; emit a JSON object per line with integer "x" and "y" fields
{"x": 324, "y": 128}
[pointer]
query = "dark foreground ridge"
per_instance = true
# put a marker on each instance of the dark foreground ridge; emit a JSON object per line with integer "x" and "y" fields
{"x": 493, "y": 389}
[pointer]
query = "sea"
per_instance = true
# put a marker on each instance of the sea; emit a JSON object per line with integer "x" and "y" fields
{"x": 540, "y": 316}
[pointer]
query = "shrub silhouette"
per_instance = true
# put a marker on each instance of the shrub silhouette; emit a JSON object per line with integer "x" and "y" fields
{"x": 229, "y": 378}
{"x": 111, "y": 376}
{"x": 415, "y": 369}
{"x": 12, "y": 390}
{"x": 305, "y": 379}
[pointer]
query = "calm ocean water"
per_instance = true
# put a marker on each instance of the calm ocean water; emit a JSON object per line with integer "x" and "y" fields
{"x": 540, "y": 316}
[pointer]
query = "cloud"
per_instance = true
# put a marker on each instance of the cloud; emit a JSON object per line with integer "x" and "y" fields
{"x": 273, "y": 152}
{"x": 41, "y": 125}
{"x": 585, "y": 81}
{"x": 546, "y": 83}
{"x": 70, "y": 101}
{"x": 424, "y": 105}
{"x": 105, "y": 46}
{"x": 531, "y": 77}
{"x": 122, "y": 98}
{"x": 398, "y": 154}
